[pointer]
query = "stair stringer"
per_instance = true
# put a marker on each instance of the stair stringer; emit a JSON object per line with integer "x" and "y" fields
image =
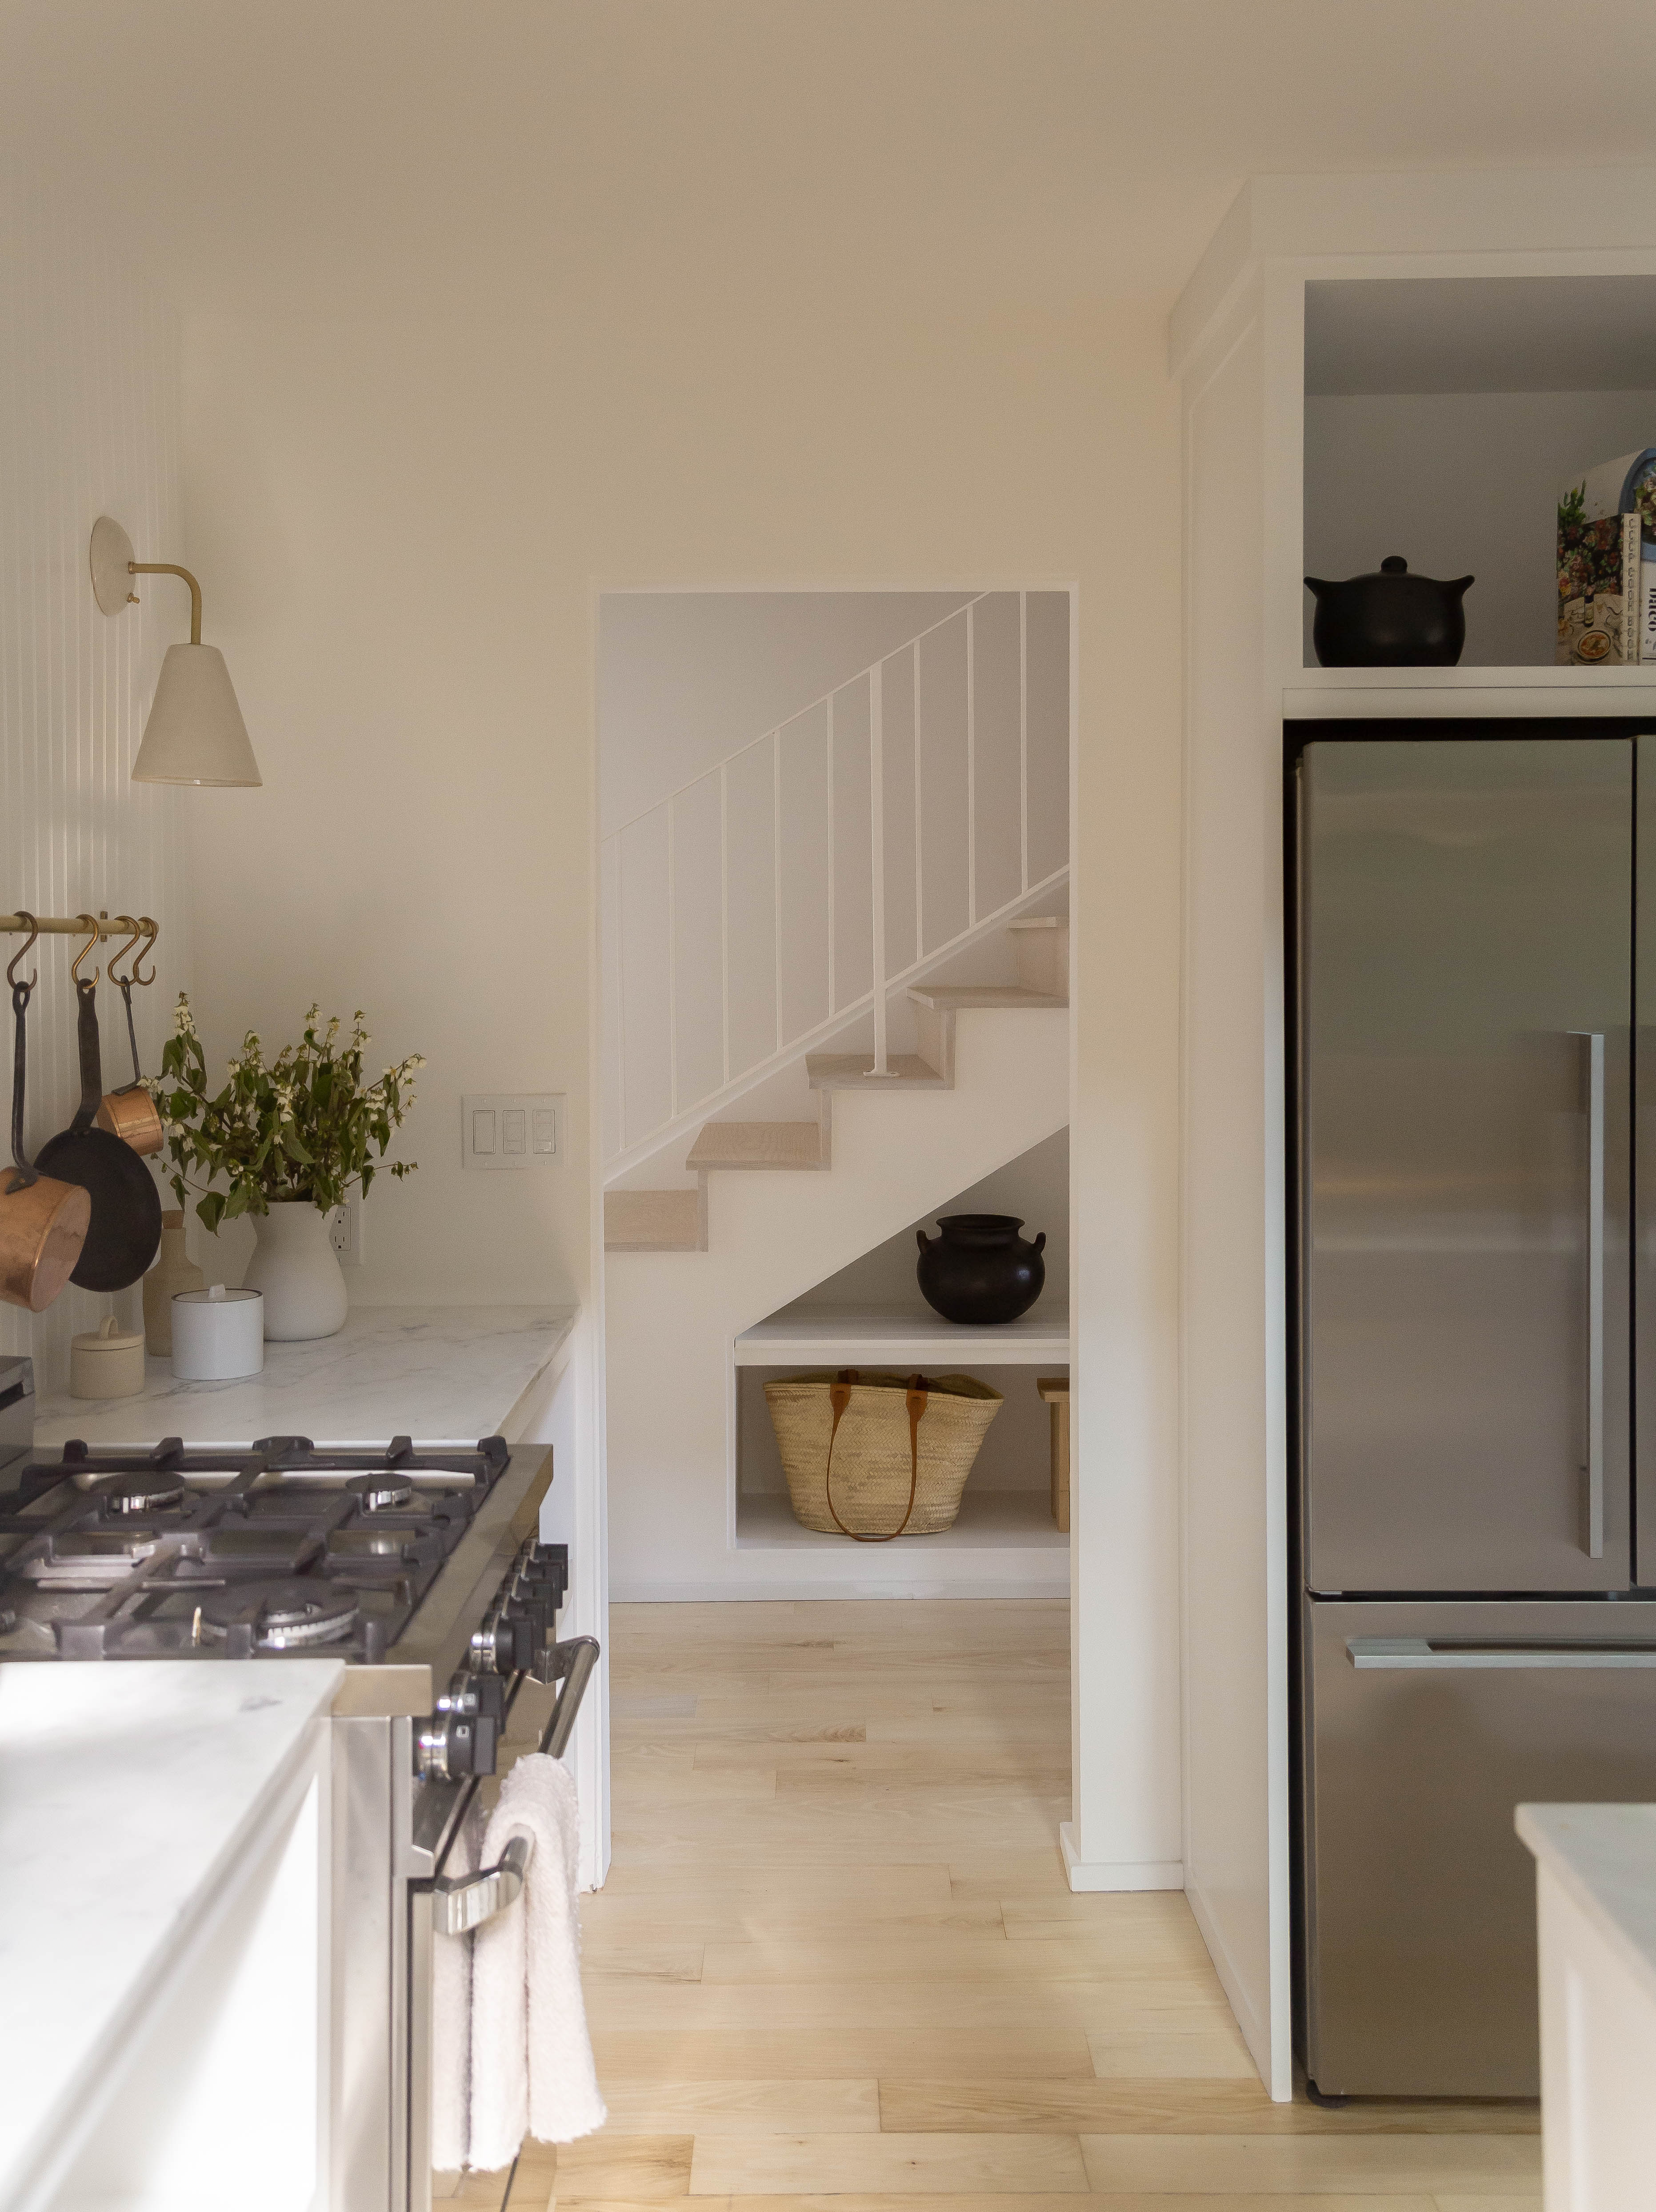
{"x": 671, "y": 1318}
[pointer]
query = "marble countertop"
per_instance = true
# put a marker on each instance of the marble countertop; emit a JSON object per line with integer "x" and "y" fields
{"x": 439, "y": 1374}
{"x": 184, "y": 1759}
{"x": 1605, "y": 1856}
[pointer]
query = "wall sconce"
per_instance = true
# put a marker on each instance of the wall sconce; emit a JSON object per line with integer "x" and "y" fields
{"x": 195, "y": 732}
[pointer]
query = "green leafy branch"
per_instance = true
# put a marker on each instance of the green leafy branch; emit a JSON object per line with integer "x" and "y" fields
{"x": 302, "y": 1128}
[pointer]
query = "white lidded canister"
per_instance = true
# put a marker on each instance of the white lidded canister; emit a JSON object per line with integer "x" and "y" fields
{"x": 217, "y": 1334}
{"x": 106, "y": 1362}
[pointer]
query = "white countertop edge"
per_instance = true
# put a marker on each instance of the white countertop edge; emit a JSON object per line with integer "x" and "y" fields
{"x": 1604, "y": 1857}
{"x": 453, "y": 1373}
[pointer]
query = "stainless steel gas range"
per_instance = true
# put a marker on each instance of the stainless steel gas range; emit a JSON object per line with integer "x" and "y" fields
{"x": 421, "y": 1567}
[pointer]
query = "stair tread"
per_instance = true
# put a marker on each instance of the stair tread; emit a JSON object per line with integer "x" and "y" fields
{"x": 758, "y": 1144}
{"x": 951, "y": 997}
{"x": 1041, "y": 922}
{"x": 652, "y": 1221}
{"x": 848, "y": 1071}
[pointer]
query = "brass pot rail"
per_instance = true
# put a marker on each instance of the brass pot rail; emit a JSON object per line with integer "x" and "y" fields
{"x": 133, "y": 927}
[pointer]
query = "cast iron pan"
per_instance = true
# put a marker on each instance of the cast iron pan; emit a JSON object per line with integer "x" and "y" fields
{"x": 125, "y": 1233}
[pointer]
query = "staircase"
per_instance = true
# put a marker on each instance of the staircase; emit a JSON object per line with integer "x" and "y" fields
{"x": 675, "y": 1220}
{"x": 764, "y": 1210}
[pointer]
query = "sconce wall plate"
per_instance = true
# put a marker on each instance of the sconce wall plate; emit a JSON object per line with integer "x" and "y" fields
{"x": 111, "y": 575}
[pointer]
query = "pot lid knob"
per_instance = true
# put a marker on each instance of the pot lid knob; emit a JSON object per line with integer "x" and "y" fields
{"x": 1395, "y": 565}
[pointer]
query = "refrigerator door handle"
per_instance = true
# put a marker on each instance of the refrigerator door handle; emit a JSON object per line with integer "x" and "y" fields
{"x": 1417, "y": 1651}
{"x": 1594, "y": 1545}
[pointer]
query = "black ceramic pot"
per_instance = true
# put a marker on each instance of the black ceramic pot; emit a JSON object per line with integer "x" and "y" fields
{"x": 1389, "y": 619}
{"x": 978, "y": 1269}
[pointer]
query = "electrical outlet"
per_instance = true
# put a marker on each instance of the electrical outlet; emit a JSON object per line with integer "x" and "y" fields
{"x": 512, "y": 1129}
{"x": 345, "y": 1230}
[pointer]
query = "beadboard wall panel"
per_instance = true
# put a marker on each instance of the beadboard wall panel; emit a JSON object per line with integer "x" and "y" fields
{"x": 90, "y": 377}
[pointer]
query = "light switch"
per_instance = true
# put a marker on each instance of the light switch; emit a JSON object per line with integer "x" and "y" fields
{"x": 508, "y": 1129}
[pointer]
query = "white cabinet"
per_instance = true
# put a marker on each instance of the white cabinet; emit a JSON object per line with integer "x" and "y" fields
{"x": 1596, "y": 1913}
{"x": 1359, "y": 249}
{"x": 165, "y": 1851}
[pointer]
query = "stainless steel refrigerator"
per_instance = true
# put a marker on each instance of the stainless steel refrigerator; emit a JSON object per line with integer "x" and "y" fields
{"x": 1475, "y": 1532}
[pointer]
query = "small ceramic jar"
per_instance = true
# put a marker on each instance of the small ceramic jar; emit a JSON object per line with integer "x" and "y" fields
{"x": 107, "y": 1363}
{"x": 217, "y": 1334}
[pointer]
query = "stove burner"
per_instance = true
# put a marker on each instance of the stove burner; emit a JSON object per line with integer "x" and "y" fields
{"x": 140, "y": 1493}
{"x": 280, "y": 1614}
{"x": 380, "y": 1494}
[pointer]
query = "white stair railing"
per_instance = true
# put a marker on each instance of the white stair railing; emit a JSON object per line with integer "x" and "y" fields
{"x": 793, "y": 887}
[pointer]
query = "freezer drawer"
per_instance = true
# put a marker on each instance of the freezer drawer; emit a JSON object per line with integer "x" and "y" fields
{"x": 1425, "y": 1726}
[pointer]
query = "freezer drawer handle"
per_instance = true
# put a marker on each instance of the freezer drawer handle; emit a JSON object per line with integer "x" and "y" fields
{"x": 1594, "y": 1545}
{"x": 1394, "y": 1651}
{"x": 465, "y": 1901}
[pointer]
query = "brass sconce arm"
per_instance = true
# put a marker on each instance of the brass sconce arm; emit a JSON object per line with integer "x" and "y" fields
{"x": 172, "y": 568}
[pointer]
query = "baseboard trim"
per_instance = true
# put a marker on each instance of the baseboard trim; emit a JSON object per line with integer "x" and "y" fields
{"x": 1255, "y": 2030}
{"x": 1116, "y": 1874}
{"x": 772, "y": 1591}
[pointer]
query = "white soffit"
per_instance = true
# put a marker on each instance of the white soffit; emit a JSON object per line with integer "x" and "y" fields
{"x": 1419, "y": 334}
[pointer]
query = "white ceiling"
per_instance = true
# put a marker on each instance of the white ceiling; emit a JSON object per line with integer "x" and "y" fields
{"x": 1482, "y": 334}
{"x": 504, "y": 156}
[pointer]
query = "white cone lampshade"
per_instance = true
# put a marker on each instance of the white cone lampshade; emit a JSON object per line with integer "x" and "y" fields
{"x": 195, "y": 733}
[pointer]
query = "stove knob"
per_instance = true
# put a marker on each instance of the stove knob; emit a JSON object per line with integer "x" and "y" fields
{"x": 492, "y": 1646}
{"x": 461, "y": 1737}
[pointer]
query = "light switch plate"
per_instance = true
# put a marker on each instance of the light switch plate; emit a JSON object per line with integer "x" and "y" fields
{"x": 512, "y": 1128}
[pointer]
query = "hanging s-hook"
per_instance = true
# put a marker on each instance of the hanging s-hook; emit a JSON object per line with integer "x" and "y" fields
{"x": 154, "y": 928}
{"x": 125, "y": 982}
{"x": 12, "y": 977}
{"x": 87, "y": 921}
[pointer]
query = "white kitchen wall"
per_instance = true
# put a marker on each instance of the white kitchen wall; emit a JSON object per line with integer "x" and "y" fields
{"x": 687, "y": 677}
{"x": 88, "y": 425}
{"x": 1035, "y": 1186}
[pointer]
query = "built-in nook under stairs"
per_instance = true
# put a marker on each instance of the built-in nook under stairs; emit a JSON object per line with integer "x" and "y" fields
{"x": 758, "y": 1212}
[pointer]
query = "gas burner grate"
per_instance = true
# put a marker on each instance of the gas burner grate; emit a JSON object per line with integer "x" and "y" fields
{"x": 282, "y": 1546}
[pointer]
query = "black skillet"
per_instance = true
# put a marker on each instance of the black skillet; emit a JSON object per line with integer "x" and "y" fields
{"x": 125, "y": 1231}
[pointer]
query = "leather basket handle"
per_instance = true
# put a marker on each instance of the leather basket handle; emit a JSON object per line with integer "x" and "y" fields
{"x": 916, "y": 1398}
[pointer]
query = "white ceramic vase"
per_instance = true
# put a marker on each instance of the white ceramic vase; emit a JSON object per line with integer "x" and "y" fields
{"x": 296, "y": 1268}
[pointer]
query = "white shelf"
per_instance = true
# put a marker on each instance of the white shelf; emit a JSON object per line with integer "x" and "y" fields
{"x": 1374, "y": 693}
{"x": 1041, "y": 1339}
{"x": 989, "y": 1521}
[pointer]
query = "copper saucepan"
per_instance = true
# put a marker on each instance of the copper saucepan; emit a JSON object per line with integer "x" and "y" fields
{"x": 43, "y": 1222}
{"x": 130, "y": 1112}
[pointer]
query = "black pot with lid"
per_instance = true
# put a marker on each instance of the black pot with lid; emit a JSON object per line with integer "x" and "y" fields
{"x": 1389, "y": 619}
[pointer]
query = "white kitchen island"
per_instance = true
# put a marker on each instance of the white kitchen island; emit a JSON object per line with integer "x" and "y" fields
{"x": 1596, "y": 1910}
{"x": 163, "y": 1936}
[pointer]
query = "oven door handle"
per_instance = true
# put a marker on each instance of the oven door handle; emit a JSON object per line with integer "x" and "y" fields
{"x": 572, "y": 1665}
{"x": 463, "y": 1902}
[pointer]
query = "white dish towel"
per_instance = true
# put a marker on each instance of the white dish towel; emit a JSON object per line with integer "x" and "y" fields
{"x": 451, "y": 2020}
{"x": 531, "y": 2058}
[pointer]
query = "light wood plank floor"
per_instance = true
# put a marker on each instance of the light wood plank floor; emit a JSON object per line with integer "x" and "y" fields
{"x": 836, "y": 1962}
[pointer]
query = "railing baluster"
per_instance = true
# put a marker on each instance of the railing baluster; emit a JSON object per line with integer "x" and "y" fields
{"x": 1023, "y": 740}
{"x": 919, "y": 842}
{"x": 831, "y": 861}
{"x": 672, "y": 959}
{"x": 724, "y": 914}
{"x": 877, "y": 838}
{"x": 776, "y": 872}
{"x": 621, "y": 984}
{"x": 971, "y": 765}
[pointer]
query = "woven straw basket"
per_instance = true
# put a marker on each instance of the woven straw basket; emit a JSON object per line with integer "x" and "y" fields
{"x": 875, "y": 1456}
